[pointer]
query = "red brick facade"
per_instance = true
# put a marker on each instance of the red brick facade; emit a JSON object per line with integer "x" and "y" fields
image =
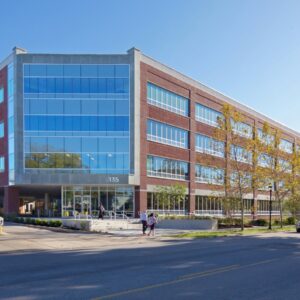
{"x": 196, "y": 95}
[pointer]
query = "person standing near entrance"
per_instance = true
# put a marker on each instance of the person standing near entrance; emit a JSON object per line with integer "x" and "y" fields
{"x": 101, "y": 211}
{"x": 143, "y": 218}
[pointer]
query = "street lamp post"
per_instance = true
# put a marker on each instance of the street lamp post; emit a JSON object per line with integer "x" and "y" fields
{"x": 270, "y": 207}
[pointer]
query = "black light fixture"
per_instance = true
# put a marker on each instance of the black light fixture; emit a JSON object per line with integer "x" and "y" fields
{"x": 270, "y": 206}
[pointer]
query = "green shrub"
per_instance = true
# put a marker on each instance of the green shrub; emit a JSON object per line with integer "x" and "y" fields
{"x": 27, "y": 221}
{"x": 276, "y": 222}
{"x": 33, "y": 221}
{"x": 229, "y": 222}
{"x": 53, "y": 223}
{"x": 20, "y": 220}
{"x": 259, "y": 222}
{"x": 38, "y": 221}
{"x": 44, "y": 223}
{"x": 290, "y": 221}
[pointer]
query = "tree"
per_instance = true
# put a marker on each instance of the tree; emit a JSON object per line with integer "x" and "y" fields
{"x": 169, "y": 196}
{"x": 237, "y": 136}
{"x": 277, "y": 165}
{"x": 177, "y": 194}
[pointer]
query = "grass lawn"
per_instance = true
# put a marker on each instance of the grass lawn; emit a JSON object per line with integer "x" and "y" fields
{"x": 234, "y": 232}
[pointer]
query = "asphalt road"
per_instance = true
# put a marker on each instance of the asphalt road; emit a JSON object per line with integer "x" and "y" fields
{"x": 38, "y": 264}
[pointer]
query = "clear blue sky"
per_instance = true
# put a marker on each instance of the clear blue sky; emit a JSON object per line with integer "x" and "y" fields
{"x": 247, "y": 49}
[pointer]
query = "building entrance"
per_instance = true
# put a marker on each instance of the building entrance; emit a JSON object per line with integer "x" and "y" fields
{"x": 83, "y": 204}
{"x": 117, "y": 200}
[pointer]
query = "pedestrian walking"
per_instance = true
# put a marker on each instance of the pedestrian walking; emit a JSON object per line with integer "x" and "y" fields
{"x": 101, "y": 211}
{"x": 143, "y": 218}
{"x": 151, "y": 223}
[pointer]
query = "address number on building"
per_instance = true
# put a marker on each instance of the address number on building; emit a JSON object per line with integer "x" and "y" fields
{"x": 113, "y": 179}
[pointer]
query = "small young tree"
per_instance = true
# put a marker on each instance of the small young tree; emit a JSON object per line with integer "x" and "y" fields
{"x": 168, "y": 196}
{"x": 177, "y": 194}
{"x": 162, "y": 195}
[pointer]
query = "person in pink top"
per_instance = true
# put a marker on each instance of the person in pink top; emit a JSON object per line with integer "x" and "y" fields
{"x": 151, "y": 223}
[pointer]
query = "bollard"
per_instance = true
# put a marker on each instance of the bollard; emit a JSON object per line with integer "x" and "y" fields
{"x": 1, "y": 224}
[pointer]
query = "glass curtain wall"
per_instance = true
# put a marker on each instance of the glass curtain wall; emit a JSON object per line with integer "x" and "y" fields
{"x": 86, "y": 200}
{"x": 76, "y": 118}
{"x": 170, "y": 208}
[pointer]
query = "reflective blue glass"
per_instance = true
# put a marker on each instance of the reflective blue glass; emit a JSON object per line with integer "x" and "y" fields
{"x": 89, "y": 71}
{"x": 37, "y": 70}
{"x": 106, "y": 71}
{"x": 55, "y": 70}
{"x": 71, "y": 70}
{"x": 122, "y": 71}
{"x": 79, "y": 120}
{"x": 1, "y": 129}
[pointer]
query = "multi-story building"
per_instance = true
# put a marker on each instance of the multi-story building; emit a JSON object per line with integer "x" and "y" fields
{"x": 80, "y": 130}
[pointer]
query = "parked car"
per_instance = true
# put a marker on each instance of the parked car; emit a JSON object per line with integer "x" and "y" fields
{"x": 298, "y": 226}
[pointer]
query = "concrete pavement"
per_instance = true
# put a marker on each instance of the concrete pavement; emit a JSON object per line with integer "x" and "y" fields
{"x": 39, "y": 264}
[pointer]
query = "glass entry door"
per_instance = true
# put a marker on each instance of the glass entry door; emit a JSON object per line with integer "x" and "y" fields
{"x": 83, "y": 204}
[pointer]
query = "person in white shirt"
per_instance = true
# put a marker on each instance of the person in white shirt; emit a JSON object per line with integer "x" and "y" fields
{"x": 143, "y": 218}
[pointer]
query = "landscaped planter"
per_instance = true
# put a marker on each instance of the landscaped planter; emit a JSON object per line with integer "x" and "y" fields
{"x": 188, "y": 224}
{"x": 99, "y": 225}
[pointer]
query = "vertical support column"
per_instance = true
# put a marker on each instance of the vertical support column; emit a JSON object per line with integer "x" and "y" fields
{"x": 46, "y": 204}
{"x": 141, "y": 191}
{"x": 11, "y": 200}
{"x": 192, "y": 155}
{"x": 140, "y": 200}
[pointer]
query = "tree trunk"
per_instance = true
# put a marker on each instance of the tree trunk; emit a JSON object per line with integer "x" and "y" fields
{"x": 280, "y": 209}
{"x": 242, "y": 213}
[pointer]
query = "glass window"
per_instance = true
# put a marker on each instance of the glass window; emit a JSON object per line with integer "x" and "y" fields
{"x": 265, "y": 160}
{"x": 72, "y": 107}
{"x": 55, "y": 70}
{"x": 208, "y": 115}
{"x": 286, "y": 146}
{"x": 89, "y": 71}
{"x": 122, "y": 71}
{"x": 106, "y": 144}
{"x": 55, "y": 107}
{"x": 209, "y": 175}
{"x": 1, "y": 95}
{"x": 167, "y": 134}
{"x": 37, "y": 70}
{"x": 106, "y": 107}
{"x": 266, "y": 138}
{"x": 1, "y": 129}
{"x": 240, "y": 154}
{"x": 167, "y": 100}
{"x": 38, "y": 144}
{"x": 72, "y": 70}
{"x": 106, "y": 71}
{"x": 122, "y": 107}
{"x": 122, "y": 145}
{"x": 72, "y": 144}
{"x": 38, "y": 106}
{"x": 167, "y": 168}
{"x": 208, "y": 145}
{"x": 88, "y": 105}
{"x": 2, "y": 164}
{"x": 241, "y": 129}
{"x": 56, "y": 144}
{"x": 89, "y": 144}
